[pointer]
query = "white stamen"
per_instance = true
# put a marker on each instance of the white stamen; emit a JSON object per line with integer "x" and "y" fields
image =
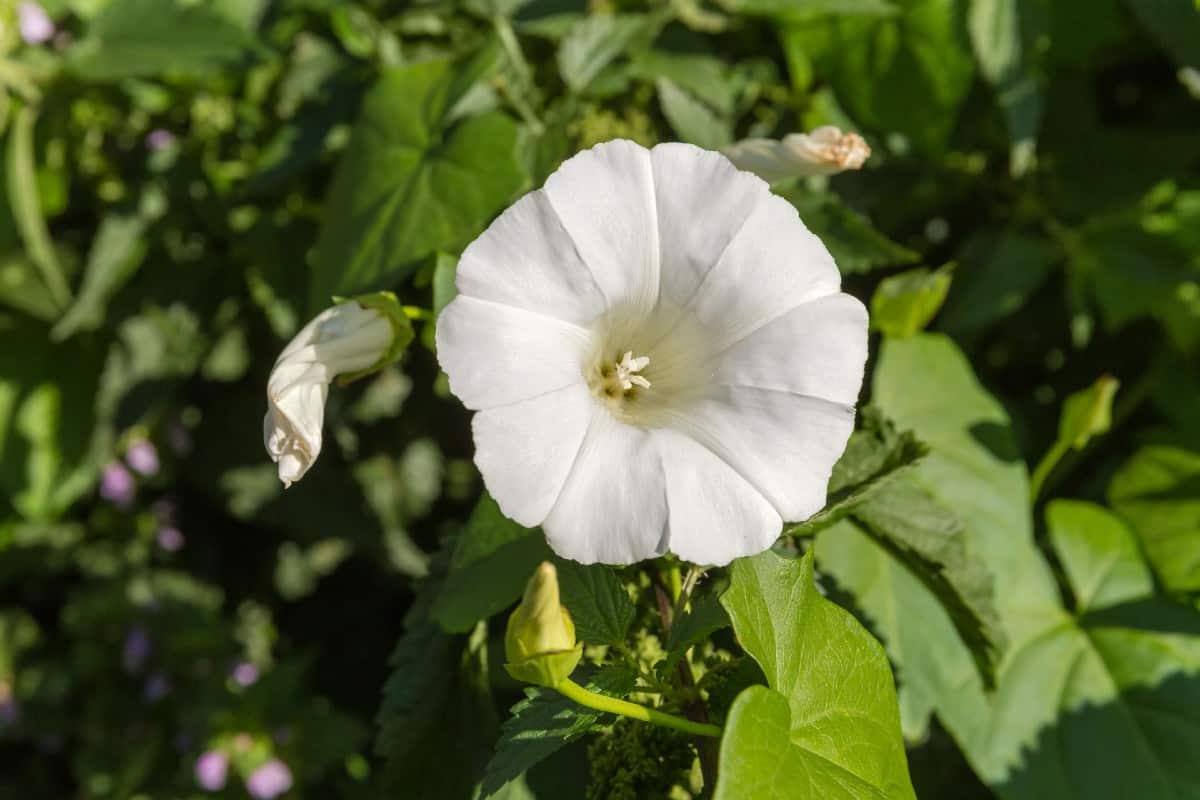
{"x": 627, "y": 368}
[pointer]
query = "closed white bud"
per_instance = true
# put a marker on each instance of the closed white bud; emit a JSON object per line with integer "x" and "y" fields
{"x": 824, "y": 151}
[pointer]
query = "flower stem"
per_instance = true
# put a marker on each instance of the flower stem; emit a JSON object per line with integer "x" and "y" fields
{"x": 685, "y": 593}
{"x": 1045, "y": 467}
{"x": 624, "y": 708}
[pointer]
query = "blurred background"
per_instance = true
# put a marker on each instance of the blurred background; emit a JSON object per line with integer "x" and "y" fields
{"x": 184, "y": 186}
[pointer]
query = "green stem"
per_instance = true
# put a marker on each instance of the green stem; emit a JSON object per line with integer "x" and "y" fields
{"x": 1128, "y": 401}
{"x": 512, "y": 48}
{"x": 674, "y": 582}
{"x": 624, "y": 708}
{"x": 1045, "y": 467}
{"x": 685, "y": 592}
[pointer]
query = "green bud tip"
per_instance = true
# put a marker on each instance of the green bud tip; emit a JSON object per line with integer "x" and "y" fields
{"x": 540, "y": 641}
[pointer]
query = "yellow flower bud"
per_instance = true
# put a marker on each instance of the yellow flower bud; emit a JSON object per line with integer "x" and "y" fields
{"x": 540, "y": 641}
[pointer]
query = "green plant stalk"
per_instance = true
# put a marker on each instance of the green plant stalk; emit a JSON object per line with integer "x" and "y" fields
{"x": 624, "y": 708}
{"x": 26, "y": 206}
{"x": 1045, "y": 467}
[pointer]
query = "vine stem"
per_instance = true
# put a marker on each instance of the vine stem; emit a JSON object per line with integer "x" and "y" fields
{"x": 624, "y": 708}
{"x": 685, "y": 592}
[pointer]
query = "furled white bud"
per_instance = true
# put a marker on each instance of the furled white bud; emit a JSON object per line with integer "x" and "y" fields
{"x": 824, "y": 151}
{"x": 350, "y": 337}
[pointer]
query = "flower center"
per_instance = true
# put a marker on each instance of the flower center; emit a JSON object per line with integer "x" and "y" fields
{"x": 620, "y": 378}
{"x": 647, "y": 365}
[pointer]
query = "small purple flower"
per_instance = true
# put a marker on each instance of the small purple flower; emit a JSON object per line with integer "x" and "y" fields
{"x": 116, "y": 485}
{"x": 35, "y": 24}
{"x": 136, "y": 650}
{"x": 10, "y": 709}
{"x": 270, "y": 780}
{"x": 157, "y": 687}
{"x": 244, "y": 674}
{"x": 212, "y": 767}
{"x": 160, "y": 139}
{"x": 170, "y": 538}
{"x": 142, "y": 456}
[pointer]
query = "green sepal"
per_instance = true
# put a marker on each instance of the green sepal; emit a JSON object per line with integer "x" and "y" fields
{"x": 547, "y": 669}
{"x": 387, "y": 304}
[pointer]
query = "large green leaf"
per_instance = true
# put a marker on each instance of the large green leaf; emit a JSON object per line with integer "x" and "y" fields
{"x": 1122, "y": 680}
{"x": 545, "y": 721}
{"x": 855, "y": 245}
{"x": 595, "y": 41}
{"x": 972, "y": 471}
{"x": 924, "y": 383}
{"x": 413, "y": 180}
{"x": 875, "y": 454}
{"x": 916, "y": 628}
{"x": 599, "y": 605}
{"x": 1158, "y": 492}
{"x": 902, "y": 73}
{"x": 142, "y": 38}
{"x": 829, "y": 725}
{"x": 691, "y": 119}
{"x": 933, "y": 544}
{"x": 492, "y": 560}
{"x": 1004, "y": 34}
{"x": 1099, "y": 555}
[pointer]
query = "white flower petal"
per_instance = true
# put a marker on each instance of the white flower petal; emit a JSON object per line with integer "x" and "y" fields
{"x": 772, "y": 265}
{"x": 605, "y": 199}
{"x": 703, "y": 201}
{"x": 525, "y": 450}
{"x": 613, "y": 507}
{"x": 496, "y": 354}
{"x": 783, "y": 444}
{"x": 715, "y": 514}
{"x": 818, "y": 348}
{"x": 527, "y": 259}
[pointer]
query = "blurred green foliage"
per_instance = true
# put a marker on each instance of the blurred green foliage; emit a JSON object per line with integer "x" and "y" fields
{"x": 188, "y": 181}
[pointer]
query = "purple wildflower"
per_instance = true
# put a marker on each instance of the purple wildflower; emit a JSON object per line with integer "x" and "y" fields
{"x": 142, "y": 456}
{"x": 160, "y": 139}
{"x": 270, "y": 780}
{"x": 35, "y": 24}
{"x": 116, "y": 485}
{"x": 211, "y": 769}
{"x": 170, "y": 538}
{"x": 157, "y": 687}
{"x": 136, "y": 650}
{"x": 244, "y": 674}
{"x": 10, "y": 709}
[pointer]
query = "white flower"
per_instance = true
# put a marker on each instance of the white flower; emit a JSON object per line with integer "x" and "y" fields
{"x": 660, "y": 357}
{"x": 824, "y": 151}
{"x": 343, "y": 339}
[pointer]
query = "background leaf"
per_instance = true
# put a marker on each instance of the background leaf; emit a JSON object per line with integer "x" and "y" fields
{"x": 545, "y": 721}
{"x": 412, "y": 181}
{"x": 137, "y": 38}
{"x": 1156, "y": 491}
